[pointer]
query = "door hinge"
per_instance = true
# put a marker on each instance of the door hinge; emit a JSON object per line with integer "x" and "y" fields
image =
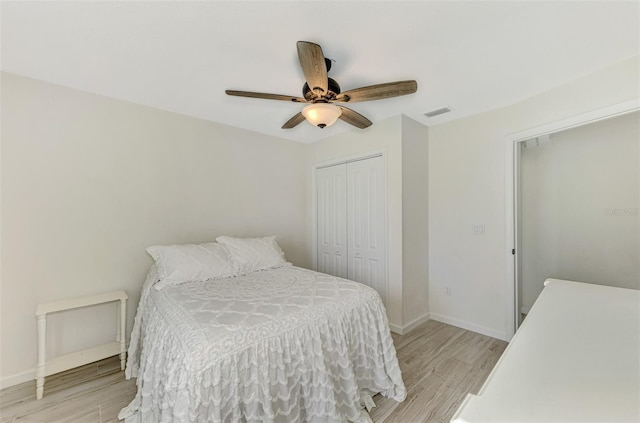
{"x": 513, "y": 251}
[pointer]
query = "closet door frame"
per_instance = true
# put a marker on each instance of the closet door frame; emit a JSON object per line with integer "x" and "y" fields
{"x": 314, "y": 204}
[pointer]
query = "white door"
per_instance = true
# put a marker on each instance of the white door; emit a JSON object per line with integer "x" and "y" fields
{"x": 332, "y": 220}
{"x": 366, "y": 223}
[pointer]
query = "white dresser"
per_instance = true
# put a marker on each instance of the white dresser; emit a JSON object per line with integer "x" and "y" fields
{"x": 576, "y": 358}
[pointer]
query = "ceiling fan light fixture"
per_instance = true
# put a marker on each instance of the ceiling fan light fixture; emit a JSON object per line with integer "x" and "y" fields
{"x": 321, "y": 114}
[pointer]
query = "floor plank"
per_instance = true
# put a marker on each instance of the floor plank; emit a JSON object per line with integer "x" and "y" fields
{"x": 434, "y": 388}
{"x": 92, "y": 393}
{"x": 472, "y": 382}
{"x": 440, "y": 365}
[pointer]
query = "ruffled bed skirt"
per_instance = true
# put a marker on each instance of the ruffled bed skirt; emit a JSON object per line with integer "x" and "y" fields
{"x": 324, "y": 371}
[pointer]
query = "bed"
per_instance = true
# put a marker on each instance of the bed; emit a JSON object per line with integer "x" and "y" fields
{"x": 282, "y": 344}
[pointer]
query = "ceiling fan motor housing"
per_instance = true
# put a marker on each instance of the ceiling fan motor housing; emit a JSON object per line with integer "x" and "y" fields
{"x": 333, "y": 87}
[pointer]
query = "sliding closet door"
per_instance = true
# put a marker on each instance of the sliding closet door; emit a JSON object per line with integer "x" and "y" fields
{"x": 332, "y": 220}
{"x": 366, "y": 223}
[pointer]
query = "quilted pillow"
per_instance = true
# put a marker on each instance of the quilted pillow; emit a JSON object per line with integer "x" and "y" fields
{"x": 182, "y": 263}
{"x": 253, "y": 254}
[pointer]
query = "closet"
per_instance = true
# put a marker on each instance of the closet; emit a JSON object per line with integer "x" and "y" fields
{"x": 351, "y": 222}
{"x": 578, "y": 207}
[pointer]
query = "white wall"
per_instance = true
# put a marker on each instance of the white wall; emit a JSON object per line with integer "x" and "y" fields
{"x": 415, "y": 221}
{"x": 580, "y": 202}
{"x": 467, "y": 187}
{"x": 88, "y": 182}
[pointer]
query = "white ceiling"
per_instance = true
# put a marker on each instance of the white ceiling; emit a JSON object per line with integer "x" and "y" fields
{"x": 181, "y": 56}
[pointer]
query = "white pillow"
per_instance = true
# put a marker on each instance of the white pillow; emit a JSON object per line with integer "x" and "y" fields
{"x": 253, "y": 254}
{"x": 190, "y": 262}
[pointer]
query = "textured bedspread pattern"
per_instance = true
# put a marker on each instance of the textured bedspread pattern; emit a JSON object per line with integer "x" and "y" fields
{"x": 283, "y": 345}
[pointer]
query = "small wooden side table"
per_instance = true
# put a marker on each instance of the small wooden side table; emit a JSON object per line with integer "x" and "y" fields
{"x": 79, "y": 358}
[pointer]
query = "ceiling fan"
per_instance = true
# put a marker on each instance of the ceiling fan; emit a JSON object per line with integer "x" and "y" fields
{"x": 322, "y": 92}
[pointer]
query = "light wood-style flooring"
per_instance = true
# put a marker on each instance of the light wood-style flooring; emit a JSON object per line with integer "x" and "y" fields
{"x": 440, "y": 365}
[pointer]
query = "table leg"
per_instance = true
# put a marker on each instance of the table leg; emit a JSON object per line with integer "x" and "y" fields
{"x": 40, "y": 370}
{"x": 123, "y": 322}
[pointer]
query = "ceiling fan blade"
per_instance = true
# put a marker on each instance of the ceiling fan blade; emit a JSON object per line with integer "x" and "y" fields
{"x": 378, "y": 91}
{"x": 354, "y": 118}
{"x": 266, "y": 96}
{"x": 313, "y": 66}
{"x": 294, "y": 121}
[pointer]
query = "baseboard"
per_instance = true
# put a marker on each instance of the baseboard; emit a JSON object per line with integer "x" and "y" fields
{"x": 29, "y": 375}
{"x": 469, "y": 326}
{"x": 403, "y": 330}
{"x": 395, "y": 328}
{"x": 18, "y": 378}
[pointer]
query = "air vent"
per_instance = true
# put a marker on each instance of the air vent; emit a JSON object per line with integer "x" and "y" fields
{"x": 437, "y": 112}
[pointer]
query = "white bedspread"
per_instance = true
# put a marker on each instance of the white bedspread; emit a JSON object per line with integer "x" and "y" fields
{"x": 284, "y": 345}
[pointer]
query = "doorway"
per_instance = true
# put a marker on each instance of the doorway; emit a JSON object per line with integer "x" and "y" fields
{"x": 579, "y": 207}
{"x": 575, "y": 211}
